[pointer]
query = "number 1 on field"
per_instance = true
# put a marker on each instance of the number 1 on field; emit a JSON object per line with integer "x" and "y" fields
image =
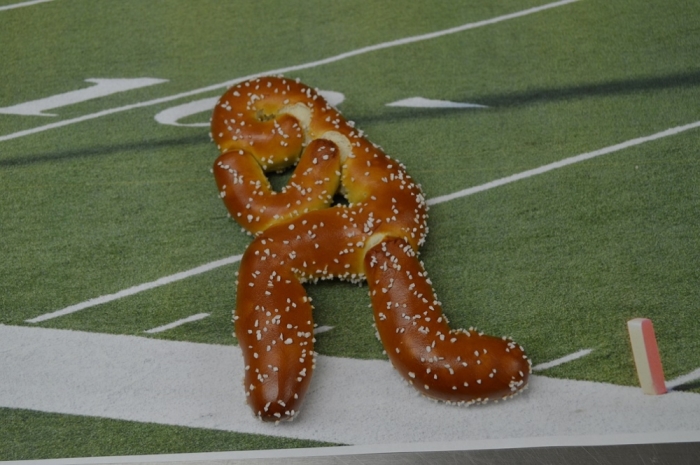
{"x": 102, "y": 88}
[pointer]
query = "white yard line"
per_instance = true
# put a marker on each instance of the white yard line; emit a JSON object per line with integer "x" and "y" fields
{"x": 562, "y": 360}
{"x": 681, "y": 380}
{"x": 175, "y": 324}
{"x": 312, "y": 64}
{"x": 433, "y": 201}
{"x": 136, "y": 289}
{"x": 350, "y": 401}
{"x": 671, "y": 384}
{"x": 563, "y": 163}
{"x": 20, "y": 5}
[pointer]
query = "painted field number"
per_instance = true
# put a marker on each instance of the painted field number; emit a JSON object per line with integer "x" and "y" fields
{"x": 102, "y": 88}
{"x": 173, "y": 115}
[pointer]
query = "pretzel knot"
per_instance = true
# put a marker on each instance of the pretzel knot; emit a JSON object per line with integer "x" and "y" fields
{"x": 272, "y": 123}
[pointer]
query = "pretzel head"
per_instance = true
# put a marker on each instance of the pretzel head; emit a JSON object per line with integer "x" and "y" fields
{"x": 248, "y": 117}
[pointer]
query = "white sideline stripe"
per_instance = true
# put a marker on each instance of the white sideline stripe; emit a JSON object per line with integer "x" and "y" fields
{"x": 350, "y": 401}
{"x": 19, "y": 5}
{"x": 312, "y": 64}
{"x": 562, "y": 360}
{"x": 681, "y": 380}
{"x": 136, "y": 289}
{"x": 175, "y": 324}
{"x": 433, "y": 201}
{"x": 563, "y": 163}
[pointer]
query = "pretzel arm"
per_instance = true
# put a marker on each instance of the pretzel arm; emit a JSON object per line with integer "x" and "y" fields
{"x": 452, "y": 365}
{"x": 250, "y": 199}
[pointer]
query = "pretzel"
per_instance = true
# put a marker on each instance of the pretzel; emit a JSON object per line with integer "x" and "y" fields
{"x": 271, "y": 123}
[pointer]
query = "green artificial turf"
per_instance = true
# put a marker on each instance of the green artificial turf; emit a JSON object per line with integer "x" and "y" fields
{"x": 559, "y": 261}
{"x": 34, "y": 435}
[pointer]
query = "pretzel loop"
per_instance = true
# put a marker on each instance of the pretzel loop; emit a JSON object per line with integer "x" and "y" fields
{"x": 271, "y": 123}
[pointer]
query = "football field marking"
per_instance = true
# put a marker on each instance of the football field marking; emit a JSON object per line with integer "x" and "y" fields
{"x": 175, "y": 324}
{"x": 350, "y": 401}
{"x": 684, "y": 379}
{"x": 433, "y": 201}
{"x": 562, "y": 360}
{"x": 20, "y": 5}
{"x": 563, "y": 163}
{"x": 101, "y": 88}
{"x": 172, "y": 116}
{"x": 420, "y": 102}
{"x": 136, "y": 289}
{"x": 312, "y": 64}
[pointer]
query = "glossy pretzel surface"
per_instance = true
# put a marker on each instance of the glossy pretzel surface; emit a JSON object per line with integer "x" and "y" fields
{"x": 271, "y": 123}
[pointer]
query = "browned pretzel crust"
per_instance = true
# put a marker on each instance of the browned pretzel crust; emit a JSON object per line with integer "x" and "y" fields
{"x": 271, "y": 123}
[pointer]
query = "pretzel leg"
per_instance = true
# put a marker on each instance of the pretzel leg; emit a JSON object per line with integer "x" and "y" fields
{"x": 274, "y": 328}
{"x": 250, "y": 199}
{"x": 451, "y": 365}
{"x": 274, "y": 322}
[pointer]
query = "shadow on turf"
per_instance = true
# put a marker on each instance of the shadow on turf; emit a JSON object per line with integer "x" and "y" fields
{"x": 546, "y": 95}
{"x": 90, "y": 152}
{"x": 619, "y": 87}
{"x": 690, "y": 387}
{"x": 505, "y": 100}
